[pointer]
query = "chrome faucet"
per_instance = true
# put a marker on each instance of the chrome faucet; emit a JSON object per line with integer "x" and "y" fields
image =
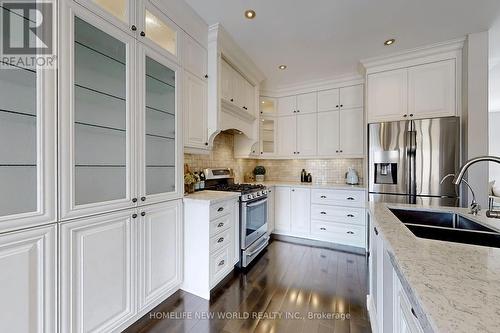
{"x": 474, "y": 206}
{"x": 459, "y": 178}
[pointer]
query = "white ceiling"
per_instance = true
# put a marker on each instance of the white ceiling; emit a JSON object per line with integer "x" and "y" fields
{"x": 320, "y": 39}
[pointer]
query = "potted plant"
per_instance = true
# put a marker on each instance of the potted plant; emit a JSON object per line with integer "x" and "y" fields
{"x": 259, "y": 173}
{"x": 189, "y": 181}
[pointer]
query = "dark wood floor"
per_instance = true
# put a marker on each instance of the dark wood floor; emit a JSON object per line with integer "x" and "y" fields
{"x": 289, "y": 279}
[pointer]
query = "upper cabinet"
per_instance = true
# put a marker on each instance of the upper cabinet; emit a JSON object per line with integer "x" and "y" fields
{"x": 27, "y": 146}
{"x": 140, "y": 19}
{"x": 195, "y": 58}
{"x": 421, "y": 91}
{"x": 340, "y": 98}
{"x": 236, "y": 91}
{"x": 119, "y": 120}
{"x": 268, "y": 106}
{"x": 303, "y": 103}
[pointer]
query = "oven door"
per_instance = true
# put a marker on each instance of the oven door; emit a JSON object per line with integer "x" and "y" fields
{"x": 253, "y": 221}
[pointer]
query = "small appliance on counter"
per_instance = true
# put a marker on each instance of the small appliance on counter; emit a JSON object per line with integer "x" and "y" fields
{"x": 351, "y": 177}
{"x": 305, "y": 177}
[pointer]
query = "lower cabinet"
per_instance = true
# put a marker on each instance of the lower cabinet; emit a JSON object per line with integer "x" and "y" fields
{"x": 282, "y": 209}
{"x": 270, "y": 209}
{"x": 107, "y": 260}
{"x": 388, "y": 304}
{"x": 300, "y": 209}
{"x": 28, "y": 288}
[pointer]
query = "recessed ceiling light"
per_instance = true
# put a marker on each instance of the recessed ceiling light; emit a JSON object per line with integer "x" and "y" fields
{"x": 282, "y": 67}
{"x": 263, "y": 102}
{"x": 250, "y": 14}
{"x": 389, "y": 42}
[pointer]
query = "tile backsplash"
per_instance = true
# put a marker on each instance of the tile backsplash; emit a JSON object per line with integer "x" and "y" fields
{"x": 322, "y": 170}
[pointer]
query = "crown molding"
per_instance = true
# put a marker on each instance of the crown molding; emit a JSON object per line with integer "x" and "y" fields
{"x": 314, "y": 85}
{"x": 433, "y": 52}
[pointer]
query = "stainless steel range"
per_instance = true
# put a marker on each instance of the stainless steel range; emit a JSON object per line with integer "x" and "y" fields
{"x": 253, "y": 211}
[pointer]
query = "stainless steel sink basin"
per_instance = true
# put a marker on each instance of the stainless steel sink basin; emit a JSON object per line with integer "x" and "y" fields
{"x": 447, "y": 227}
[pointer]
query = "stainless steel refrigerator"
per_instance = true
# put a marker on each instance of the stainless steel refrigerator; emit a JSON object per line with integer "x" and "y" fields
{"x": 407, "y": 159}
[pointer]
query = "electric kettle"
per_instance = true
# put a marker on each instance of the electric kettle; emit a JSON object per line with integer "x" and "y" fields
{"x": 351, "y": 177}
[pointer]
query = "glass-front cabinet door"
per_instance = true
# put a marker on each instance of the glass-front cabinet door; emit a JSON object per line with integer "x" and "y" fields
{"x": 96, "y": 109}
{"x": 158, "y": 125}
{"x": 27, "y": 144}
{"x": 119, "y": 12}
{"x": 267, "y": 136}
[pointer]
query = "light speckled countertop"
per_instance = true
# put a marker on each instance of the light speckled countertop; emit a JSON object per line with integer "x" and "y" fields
{"x": 338, "y": 186}
{"x": 211, "y": 196}
{"x": 456, "y": 287}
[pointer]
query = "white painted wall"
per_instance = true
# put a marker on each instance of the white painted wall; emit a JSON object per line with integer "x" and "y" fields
{"x": 477, "y": 112}
{"x": 494, "y": 98}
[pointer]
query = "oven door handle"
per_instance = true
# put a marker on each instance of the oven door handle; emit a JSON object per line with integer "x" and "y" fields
{"x": 263, "y": 245}
{"x": 260, "y": 202}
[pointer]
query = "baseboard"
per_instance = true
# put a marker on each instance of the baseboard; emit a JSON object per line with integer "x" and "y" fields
{"x": 318, "y": 243}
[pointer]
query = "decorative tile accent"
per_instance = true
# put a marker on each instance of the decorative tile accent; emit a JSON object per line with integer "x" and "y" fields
{"x": 322, "y": 170}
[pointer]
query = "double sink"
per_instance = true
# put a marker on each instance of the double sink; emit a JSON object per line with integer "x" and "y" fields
{"x": 445, "y": 226}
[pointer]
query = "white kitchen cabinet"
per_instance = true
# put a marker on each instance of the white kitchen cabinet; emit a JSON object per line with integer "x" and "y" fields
{"x": 306, "y": 140}
{"x": 307, "y": 103}
{"x": 195, "y": 112}
{"x": 270, "y": 209}
{"x": 97, "y": 273}
{"x": 404, "y": 320}
{"x": 121, "y": 13}
{"x": 287, "y": 135}
{"x": 287, "y": 105}
{"x": 28, "y": 282}
{"x": 300, "y": 210}
{"x": 421, "y": 91}
{"x": 329, "y": 133}
{"x": 431, "y": 90}
{"x": 328, "y": 100}
{"x": 268, "y": 135}
{"x": 119, "y": 121}
{"x": 237, "y": 91}
{"x": 268, "y": 106}
{"x": 27, "y": 146}
{"x": 227, "y": 81}
{"x": 282, "y": 206}
{"x": 159, "y": 234}
{"x": 351, "y": 132}
{"x": 387, "y": 95}
{"x": 351, "y": 97}
{"x": 194, "y": 58}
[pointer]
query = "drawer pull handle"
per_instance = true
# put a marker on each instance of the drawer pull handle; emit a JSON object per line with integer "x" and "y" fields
{"x": 413, "y": 313}
{"x": 350, "y": 233}
{"x": 376, "y": 231}
{"x": 220, "y": 240}
{"x": 350, "y": 198}
{"x": 350, "y": 215}
{"x": 221, "y": 262}
{"x": 220, "y": 209}
{"x": 323, "y": 213}
{"x": 220, "y": 225}
{"x": 323, "y": 197}
{"x": 322, "y": 228}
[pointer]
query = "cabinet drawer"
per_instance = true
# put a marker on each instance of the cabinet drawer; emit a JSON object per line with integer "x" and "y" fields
{"x": 341, "y": 233}
{"x": 219, "y": 263}
{"x": 338, "y": 214}
{"x": 339, "y": 197}
{"x": 220, "y": 224}
{"x": 220, "y": 240}
{"x": 220, "y": 209}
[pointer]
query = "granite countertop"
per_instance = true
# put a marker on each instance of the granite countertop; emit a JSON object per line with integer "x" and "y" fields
{"x": 211, "y": 196}
{"x": 455, "y": 287}
{"x": 340, "y": 186}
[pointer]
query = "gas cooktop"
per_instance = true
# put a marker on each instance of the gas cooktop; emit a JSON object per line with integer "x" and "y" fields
{"x": 242, "y": 188}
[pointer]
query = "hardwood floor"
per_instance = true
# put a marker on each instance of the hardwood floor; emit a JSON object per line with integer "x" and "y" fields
{"x": 288, "y": 280}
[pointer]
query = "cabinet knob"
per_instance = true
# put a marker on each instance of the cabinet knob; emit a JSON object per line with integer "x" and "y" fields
{"x": 376, "y": 231}
{"x": 143, "y": 214}
{"x": 341, "y": 151}
{"x": 245, "y": 108}
{"x": 336, "y": 151}
{"x": 220, "y": 209}
{"x": 206, "y": 76}
{"x": 221, "y": 262}
{"x": 220, "y": 225}
{"x": 143, "y": 34}
{"x": 411, "y": 114}
{"x": 405, "y": 115}
{"x": 298, "y": 111}
{"x": 220, "y": 240}
{"x": 262, "y": 152}
{"x": 133, "y": 27}
{"x": 336, "y": 106}
{"x": 293, "y": 190}
{"x": 206, "y": 143}
{"x": 134, "y": 200}
{"x": 134, "y": 216}
{"x": 143, "y": 198}
{"x": 414, "y": 313}
{"x": 341, "y": 105}
{"x": 232, "y": 99}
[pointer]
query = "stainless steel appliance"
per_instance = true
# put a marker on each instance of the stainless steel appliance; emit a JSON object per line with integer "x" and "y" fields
{"x": 407, "y": 159}
{"x": 253, "y": 211}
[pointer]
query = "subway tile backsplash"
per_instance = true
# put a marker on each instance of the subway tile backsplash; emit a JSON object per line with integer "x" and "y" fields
{"x": 322, "y": 170}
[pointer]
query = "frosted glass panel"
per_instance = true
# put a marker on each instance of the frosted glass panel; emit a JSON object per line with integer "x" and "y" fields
{"x": 18, "y": 140}
{"x": 100, "y": 126}
{"x": 160, "y": 128}
{"x": 160, "y": 33}
{"x": 117, "y": 8}
{"x": 267, "y": 135}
